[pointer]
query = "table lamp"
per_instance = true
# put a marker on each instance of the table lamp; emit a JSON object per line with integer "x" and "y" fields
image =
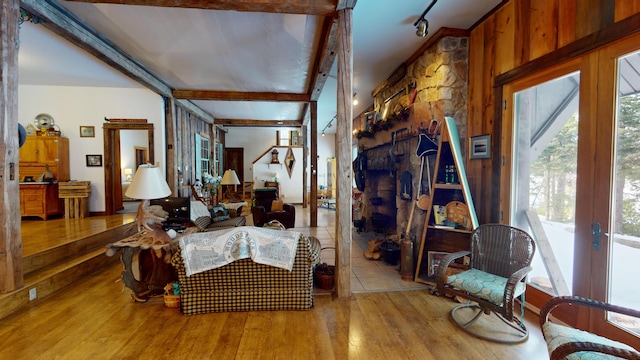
{"x": 230, "y": 178}
{"x": 148, "y": 183}
{"x": 128, "y": 172}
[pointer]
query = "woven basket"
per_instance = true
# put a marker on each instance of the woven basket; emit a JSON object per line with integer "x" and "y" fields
{"x": 172, "y": 301}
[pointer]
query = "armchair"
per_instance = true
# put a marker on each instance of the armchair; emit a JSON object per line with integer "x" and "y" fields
{"x": 263, "y": 213}
{"x": 566, "y": 342}
{"x": 500, "y": 258}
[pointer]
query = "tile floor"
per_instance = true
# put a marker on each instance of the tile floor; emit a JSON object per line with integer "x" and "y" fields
{"x": 366, "y": 275}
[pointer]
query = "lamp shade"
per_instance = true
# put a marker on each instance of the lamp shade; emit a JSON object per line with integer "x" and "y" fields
{"x": 148, "y": 183}
{"x": 230, "y": 178}
{"x": 128, "y": 171}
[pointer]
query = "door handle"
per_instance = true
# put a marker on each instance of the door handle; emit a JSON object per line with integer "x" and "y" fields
{"x": 596, "y": 232}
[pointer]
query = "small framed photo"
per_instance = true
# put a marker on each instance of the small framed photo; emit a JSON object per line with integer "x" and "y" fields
{"x": 94, "y": 160}
{"x": 87, "y": 131}
{"x": 480, "y": 147}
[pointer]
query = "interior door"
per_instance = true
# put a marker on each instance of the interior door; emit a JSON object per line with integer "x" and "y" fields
{"x": 234, "y": 159}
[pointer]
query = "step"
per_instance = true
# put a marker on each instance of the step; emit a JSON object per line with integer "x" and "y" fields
{"x": 52, "y": 270}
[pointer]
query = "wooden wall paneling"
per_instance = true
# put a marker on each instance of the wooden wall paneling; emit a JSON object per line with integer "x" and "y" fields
{"x": 522, "y": 30}
{"x": 544, "y": 27}
{"x": 626, "y": 8}
{"x": 593, "y": 15}
{"x": 505, "y": 38}
{"x": 484, "y": 196}
{"x": 475, "y": 118}
{"x": 566, "y": 22}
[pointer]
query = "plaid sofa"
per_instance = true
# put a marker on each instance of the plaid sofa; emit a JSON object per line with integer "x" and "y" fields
{"x": 247, "y": 286}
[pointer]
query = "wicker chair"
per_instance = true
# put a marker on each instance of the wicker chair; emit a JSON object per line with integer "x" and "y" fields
{"x": 500, "y": 259}
{"x": 565, "y": 342}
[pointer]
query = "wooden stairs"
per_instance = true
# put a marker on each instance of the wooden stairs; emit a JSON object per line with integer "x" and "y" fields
{"x": 53, "y": 269}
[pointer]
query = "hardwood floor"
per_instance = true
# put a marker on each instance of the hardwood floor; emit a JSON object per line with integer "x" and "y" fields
{"x": 95, "y": 318}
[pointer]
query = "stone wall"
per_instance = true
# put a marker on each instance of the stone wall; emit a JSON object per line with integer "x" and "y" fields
{"x": 438, "y": 83}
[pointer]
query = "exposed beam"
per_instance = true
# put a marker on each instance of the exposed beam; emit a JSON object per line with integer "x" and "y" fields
{"x": 324, "y": 57}
{"x": 310, "y": 7}
{"x": 258, "y": 123}
{"x": 238, "y": 95}
{"x": 61, "y": 22}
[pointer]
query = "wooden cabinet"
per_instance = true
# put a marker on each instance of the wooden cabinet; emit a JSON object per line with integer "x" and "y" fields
{"x": 40, "y": 199}
{"x": 40, "y": 152}
{"x": 450, "y": 230}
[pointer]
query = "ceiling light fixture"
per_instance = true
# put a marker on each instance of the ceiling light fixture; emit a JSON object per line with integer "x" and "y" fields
{"x": 422, "y": 25}
{"x": 355, "y": 99}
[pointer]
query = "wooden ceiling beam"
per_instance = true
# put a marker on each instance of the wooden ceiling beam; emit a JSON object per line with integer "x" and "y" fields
{"x": 257, "y": 123}
{"x": 308, "y": 7}
{"x": 239, "y": 95}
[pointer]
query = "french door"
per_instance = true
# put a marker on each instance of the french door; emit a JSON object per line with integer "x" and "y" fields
{"x": 572, "y": 145}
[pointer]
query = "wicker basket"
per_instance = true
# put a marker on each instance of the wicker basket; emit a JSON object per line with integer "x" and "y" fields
{"x": 172, "y": 301}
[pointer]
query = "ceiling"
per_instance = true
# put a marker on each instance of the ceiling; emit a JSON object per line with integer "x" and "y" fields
{"x": 245, "y": 68}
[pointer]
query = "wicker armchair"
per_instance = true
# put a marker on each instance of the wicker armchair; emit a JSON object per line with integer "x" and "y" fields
{"x": 563, "y": 341}
{"x": 500, "y": 259}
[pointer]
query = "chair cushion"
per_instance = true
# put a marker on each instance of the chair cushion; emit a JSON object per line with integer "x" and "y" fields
{"x": 556, "y": 335}
{"x": 200, "y": 216}
{"x": 277, "y": 205}
{"x": 483, "y": 285}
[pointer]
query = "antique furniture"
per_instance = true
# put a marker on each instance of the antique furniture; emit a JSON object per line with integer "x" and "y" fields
{"x": 40, "y": 155}
{"x": 76, "y": 198}
{"x": 499, "y": 260}
{"x": 273, "y": 184}
{"x": 40, "y": 199}
{"x": 244, "y": 285}
{"x": 563, "y": 341}
{"x": 263, "y": 212}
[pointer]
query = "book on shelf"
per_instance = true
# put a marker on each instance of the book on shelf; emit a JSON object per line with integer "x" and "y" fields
{"x": 439, "y": 214}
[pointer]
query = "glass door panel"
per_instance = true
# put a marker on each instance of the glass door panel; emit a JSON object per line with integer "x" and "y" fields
{"x": 545, "y": 175}
{"x": 623, "y": 287}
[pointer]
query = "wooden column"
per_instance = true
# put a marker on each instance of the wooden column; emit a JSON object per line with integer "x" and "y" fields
{"x": 170, "y": 143}
{"x": 305, "y": 166}
{"x": 344, "y": 124}
{"x": 313, "y": 199}
{"x": 11, "y": 277}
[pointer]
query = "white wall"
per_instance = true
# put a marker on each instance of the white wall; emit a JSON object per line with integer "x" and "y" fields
{"x": 256, "y": 141}
{"x": 72, "y": 107}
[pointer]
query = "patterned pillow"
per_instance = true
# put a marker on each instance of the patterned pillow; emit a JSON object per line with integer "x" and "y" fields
{"x": 202, "y": 222}
{"x": 200, "y": 216}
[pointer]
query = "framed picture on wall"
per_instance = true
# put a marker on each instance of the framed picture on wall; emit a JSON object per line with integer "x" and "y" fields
{"x": 480, "y": 147}
{"x": 94, "y": 160}
{"x": 87, "y": 131}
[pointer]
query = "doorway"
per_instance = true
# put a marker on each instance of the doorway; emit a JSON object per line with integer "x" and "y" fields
{"x": 572, "y": 161}
{"x": 112, "y": 161}
{"x": 234, "y": 159}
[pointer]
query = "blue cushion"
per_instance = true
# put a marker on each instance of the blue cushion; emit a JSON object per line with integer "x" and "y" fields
{"x": 556, "y": 335}
{"x": 483, "y": 285}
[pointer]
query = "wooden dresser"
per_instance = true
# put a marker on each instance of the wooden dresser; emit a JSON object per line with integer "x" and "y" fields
{"x": 38, "y": 154}
{"x": 40, "y": 199}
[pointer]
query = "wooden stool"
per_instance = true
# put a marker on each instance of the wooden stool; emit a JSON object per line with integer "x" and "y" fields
{"x": 76, "y": 198}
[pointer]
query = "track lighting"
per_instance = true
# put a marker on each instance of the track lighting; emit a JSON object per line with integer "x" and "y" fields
{"x": 355, "y": 99}
{"x": 422, "y": 28}
{"x": 328, "y": 125}
{"x": 322, "y": 133}
{"x": 422, "y": 25}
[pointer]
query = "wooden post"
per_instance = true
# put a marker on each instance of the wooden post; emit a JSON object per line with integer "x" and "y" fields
{"x": 344, "y": 124}
{"x": 11, "y": 277}
{"x": 313, "y": 199}
{"x": 171, "y": 149}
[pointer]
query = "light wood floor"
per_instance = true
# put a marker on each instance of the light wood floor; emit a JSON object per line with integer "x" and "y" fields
{"x": 96, "y": 319}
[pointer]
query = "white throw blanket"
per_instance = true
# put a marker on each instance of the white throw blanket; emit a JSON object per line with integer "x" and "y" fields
{"x": 209, "y": 250}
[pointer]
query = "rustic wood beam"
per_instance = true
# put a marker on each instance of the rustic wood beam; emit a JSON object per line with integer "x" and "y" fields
{"x": 258, "y": 123}
{"x": 313, "y": 203}
{"x": 238, "y": 95}
{"x": 310, "y": 7}
{"x": 11, "y": 269}
{"x": 61, "y": 22}
{"x": 344, "y": 123}
{"x": 325, "y": 57}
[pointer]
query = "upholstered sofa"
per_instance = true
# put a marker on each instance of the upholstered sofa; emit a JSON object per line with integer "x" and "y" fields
{"x": 263, "y": 210}
{"x": 244, "y": 285}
